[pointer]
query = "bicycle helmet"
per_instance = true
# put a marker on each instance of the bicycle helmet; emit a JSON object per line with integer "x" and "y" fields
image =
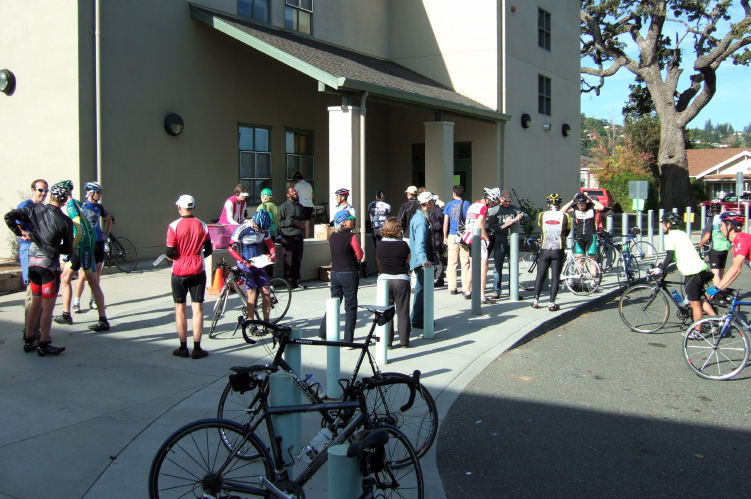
{"x": 734, "y": 218}
{"x": 671, "y": 218}
{"x": 342, "y": 192}
{"x": 93, "y": 187}
{"x": 60, "y": 191}
{"x": 262, "y": 219}
{"x": 554, "y": 199}
{"x": 68, "y": 184}
{"x": 266, "y": 192}
{"x": 715, "y": 206}
{"x": 493, "y": 195}
{"x": 342, "y": 216}
{"x": 580, "y": 198}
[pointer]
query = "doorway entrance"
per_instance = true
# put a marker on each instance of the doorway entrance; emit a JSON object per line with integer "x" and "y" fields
{"x": 462, "y": 168}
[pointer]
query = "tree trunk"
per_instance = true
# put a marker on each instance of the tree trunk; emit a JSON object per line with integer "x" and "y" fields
{"x": 675, "y": 188}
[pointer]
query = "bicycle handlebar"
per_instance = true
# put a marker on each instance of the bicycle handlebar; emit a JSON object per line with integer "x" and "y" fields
{"x": 359, "y": 388}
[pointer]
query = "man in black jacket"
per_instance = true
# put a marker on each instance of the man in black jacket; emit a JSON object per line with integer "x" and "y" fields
{"x": 292, "y": 230}
{"x": 408, "y": 209}
{"x": 51, "y": 235}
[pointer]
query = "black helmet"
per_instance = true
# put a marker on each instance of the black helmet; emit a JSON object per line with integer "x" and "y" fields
{"x": 715, "y": 206}
{"x": 671, "y": 218}
{"x": 734, "y": 218}
{"x": 580, "y": 198}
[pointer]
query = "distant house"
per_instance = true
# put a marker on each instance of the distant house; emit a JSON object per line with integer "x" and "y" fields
{"x": 718, "y": 168}
{"x": 587, "y": 177}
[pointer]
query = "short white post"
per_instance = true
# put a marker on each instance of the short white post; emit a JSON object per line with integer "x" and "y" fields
{"x": 281, "y": 391}
{"x": 609, "y": 223}
{"x": 428, "y": 295}
{"x": 513, "y": 263}
{"x": 476, "y": 269}
{"x": 662, "y": 230}
{"x": 650, "y": 226}
{"x": 745, "y": 212}
{"x": 703, "y": 217}
{"x": 688, "y": 221}
{"x": 382, "y": 332}
{"x": 333, "y": 354}
{"x": 624, "y": 224}
{"x": 638, "y": 223}
{"x": 345, "y": 479}
{"x": 293, "y": 356}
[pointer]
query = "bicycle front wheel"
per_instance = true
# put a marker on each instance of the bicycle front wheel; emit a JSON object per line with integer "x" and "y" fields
{"x": 419, "y": 423}
{"x": 195, "y": 462}
{"x": 527, "y": 274}
{"x": 713, "y": 355}
{"x": 630, "y": 276}
{"x": 123, "y": 254}
{"x": 644, "y": 253}
{"x": 643, "y": 308}
{"x": 395, "y": 473}
{"x": 219, "y": 307}
{"x": 582, "y": 276}
{"x": 281, "y": 298}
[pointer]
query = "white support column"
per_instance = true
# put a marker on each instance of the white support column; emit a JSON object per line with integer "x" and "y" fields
{"x": 439, "y": 157}
{"x": 344, "y": 155}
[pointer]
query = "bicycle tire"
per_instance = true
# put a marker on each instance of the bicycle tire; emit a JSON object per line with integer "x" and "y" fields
{"x": 634, "y": 274}
{"x": 644, "y": 308}
{"x": 527, "y": 275}
{"x": 645, "y": 253}
{"x": 242, "y": 408}
{"x": 281, "y": 298}
{"x": 187, "y": 461}
{"x": 219, "y": 307}
{"x": 607, "y": 256}
{"x": 714, "y": 357}
{"x": 419, "y": 423}
{"x": 123, "y": 254}
{"x": 397, "y": 473}
{"x": 582, "y": 276}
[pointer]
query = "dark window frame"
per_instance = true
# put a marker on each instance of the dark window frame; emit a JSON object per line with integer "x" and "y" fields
{"x": 294, "y": 10}
{"x": 543, "y": 29}
{"x": 544, "y": 95}
{"x": 244, "y": 5}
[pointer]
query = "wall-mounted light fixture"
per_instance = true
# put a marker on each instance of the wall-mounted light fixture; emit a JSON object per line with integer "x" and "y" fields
{"x": 174, "y": 124}
{"x": 7, "y": 81}
{"x": 526, "y": 120}
{"x": 546, "y": 126}
{"x": 566, "y": 129}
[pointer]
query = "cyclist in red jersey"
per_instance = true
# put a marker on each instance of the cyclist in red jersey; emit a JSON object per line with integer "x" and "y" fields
{"x": 731, "y": 225}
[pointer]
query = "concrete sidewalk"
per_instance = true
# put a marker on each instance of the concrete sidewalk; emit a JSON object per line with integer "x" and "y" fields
{"x": 88, "y": 423}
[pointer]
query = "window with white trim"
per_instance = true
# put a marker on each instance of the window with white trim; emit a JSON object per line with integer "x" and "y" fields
{"x": 544, "y": 95}
{"x": 298, "y": 15}
{"x": 254, "y": 144}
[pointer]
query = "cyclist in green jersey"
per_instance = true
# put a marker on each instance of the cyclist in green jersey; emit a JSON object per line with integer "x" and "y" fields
{"x": 718, "y": 255}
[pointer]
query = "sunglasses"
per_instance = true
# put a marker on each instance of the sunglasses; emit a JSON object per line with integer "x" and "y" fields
{"x": 42, "y": 191}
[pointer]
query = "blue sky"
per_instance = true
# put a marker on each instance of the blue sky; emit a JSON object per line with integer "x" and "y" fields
{"x": 730, "y": 104}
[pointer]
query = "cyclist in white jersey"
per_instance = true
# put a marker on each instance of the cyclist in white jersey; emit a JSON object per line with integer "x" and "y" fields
{"x": 554, "y": 227}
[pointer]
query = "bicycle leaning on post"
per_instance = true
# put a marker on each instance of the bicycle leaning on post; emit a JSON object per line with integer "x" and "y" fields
{"x": 215, "y": 458}
{"x": 645, "y": 308}
{"x": 385, "y": 402}
{"x": 582, "y": 275}
{"x": 717, "y": 348}
{"x": 627, "y": 256}
{"x": 279, "y": 290}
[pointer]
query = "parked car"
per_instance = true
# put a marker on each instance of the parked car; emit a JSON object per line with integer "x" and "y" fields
{"x": 730, "y": 202}
{"x": 601, "y": 195}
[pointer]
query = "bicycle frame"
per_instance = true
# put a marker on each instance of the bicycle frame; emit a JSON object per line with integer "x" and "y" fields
{"x": 733, "y": 315}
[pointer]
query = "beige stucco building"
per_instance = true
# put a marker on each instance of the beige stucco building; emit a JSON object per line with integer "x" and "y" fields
{"x": 410, "y": 92}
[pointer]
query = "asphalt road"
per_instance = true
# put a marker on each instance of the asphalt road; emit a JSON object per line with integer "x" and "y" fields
{"x": 592, "y": 409}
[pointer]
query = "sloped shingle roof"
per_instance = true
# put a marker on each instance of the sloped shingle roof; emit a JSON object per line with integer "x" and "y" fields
{"x": 701, "y": 160}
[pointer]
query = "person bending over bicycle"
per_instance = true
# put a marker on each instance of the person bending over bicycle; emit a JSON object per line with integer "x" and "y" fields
{"x": 247, "y": 243}
{"x": 680, "y": 248}
{"x": 731, "y": 225}
{"x": 587, "y": 224}
{"x": 718, "y": 255}
{"x": 554, "y": 227}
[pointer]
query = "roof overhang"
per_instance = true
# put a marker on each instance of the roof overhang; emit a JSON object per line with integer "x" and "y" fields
{"x": 419, "y": 86}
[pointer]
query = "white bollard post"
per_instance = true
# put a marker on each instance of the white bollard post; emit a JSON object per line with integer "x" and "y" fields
{"x": 609, "y": 224}
{"x": 281, "y": 391}
{"x": 513, "y": 263}
{"x": 638, "y": 224}
{"x": 428, "y": 309}
{"x": 476, "y": 269}
{"x": 345, "y": 479}
{"x": 293, "y": 356}
{"x": 624, "y": 224}
{"x": 662, "y": 230}
{"x": 703, "y": 217}
{"x": 745, "y": 212}
{"x": 650, "y": 226}
{"x": 688, "y": 221}
{"x": 333, "y": 357}
{"x": 382, "y": 332}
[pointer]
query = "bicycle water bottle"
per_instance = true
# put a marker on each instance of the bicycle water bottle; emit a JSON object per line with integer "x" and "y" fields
{"x": 315, "y": 446}
{"x": 315, "y": 386}
{"x": 676, "y": 296}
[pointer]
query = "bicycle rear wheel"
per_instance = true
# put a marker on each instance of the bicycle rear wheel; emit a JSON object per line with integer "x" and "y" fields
{"x": 643, "y": 308}
{"x": 644, "y": 253}
{"x": 396, "y": 473}
{"x": 712, "y": 356}
{"x": 195, "y": 462}
{"x": 123, "y": 254}
{"x": 527, "y": 274}
{"x": 281, "y": 298}
{"x": 582, "y": 276}
{"x": 419, "y": 423}
{"x": 219, "y": 307}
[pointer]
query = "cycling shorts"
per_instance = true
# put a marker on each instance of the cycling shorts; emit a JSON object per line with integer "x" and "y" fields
{"x": 82, "y": 258}
{"x": 44, "y": 282}
{"x": 255, "y": 278}
{"x": 586, "y": 243}
{"x": 193, "y": 284}
{"x": 694, "y": 284}
{"x": 717, "y": 259}
{"x": 99, "y": 252}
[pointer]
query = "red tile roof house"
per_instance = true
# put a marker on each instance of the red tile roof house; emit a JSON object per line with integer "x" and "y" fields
{"x": 718, "y": 168}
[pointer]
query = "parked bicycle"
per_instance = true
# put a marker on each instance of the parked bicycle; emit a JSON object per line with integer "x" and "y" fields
{"x": 419, "y": 423}
{"x": 645, "y": 308}
{"x": 215, "y": 458}
{"x": 234, "y": 278}
{"x": 718, "y": 347}
{"x": 582, "y": 275}
{"x": 610, "y": 253}
{"x": 119, "y": 251}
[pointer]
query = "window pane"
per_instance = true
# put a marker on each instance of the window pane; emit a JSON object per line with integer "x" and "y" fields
{"x": 293, "y": 164}
{"x": 307, "y": 167}
{"x": 289, "y": 18}
{"x": 246, "y": 139}
{"x": 246, "y": 165}
{"x": 262, "y": 139}
{"x": 295, "y": 3}
{"x": 263, "y": 165}
{"x": 289, "y": 142}
{"x": 261, "y": 10}
{"x": 303, "y": 21}
{"x": 244, "y": 8}
{"x": 306, "y": 4}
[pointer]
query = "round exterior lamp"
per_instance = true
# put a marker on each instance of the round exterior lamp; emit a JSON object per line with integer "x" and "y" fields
{"x": 7, "y": 81}
{"x": 526, "y": 120}
{"x": 174, "y": 124}
{"x": 566, "y": 130}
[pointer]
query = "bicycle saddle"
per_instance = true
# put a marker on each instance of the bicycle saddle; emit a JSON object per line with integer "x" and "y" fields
{"x": 384, "y": 313}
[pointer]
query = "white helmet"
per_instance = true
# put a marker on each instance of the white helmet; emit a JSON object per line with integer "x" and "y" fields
{"x": 494, "y": 194}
